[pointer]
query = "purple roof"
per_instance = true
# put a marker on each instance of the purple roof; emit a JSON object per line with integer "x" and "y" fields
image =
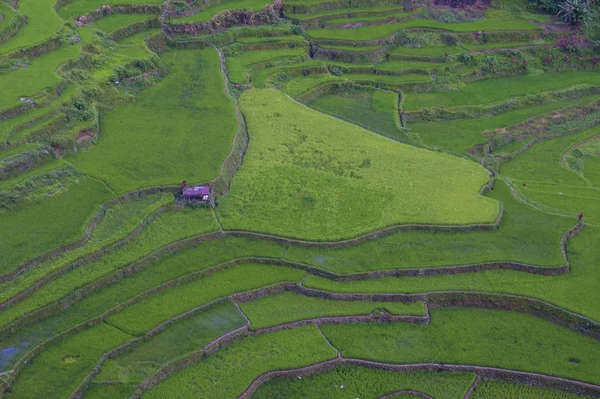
{"x": 196, "y": 191}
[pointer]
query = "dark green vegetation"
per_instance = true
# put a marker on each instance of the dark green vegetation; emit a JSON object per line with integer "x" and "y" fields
{"x": 309, "y": 120}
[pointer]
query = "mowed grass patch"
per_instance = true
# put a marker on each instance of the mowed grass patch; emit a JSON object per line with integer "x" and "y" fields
{"x": 480, "y": 337}
{"x": 363, "y": 382}
{"x": 490, "y": 389}
{"x": 182, "y": 128}
{"x": 57, "y": 371}
{"x": 144, "y": 315}
{"x": 37, "y": 76}
{"x": 313, "y": 176}
{"x": 31, "y": 230}
{"x": 210, "y": 11}
{"x": 113, "y": 22}
{"x": 42, "y": 22}
{"x": 288, "y": 307}
{"x": 227, "y": 373}
{"x": 496, "y": 89}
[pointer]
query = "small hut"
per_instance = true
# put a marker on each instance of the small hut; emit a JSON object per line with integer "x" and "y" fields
{"x": 197, "y": 193}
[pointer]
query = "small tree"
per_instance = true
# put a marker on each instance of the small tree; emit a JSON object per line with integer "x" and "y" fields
{"x": 573, "y": 11}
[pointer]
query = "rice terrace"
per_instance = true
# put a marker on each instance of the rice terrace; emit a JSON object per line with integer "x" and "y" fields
{"x": 300, "y": 199}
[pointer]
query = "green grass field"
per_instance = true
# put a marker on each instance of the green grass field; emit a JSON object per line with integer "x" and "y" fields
{"x": 139, "y": 147}
{"x": 330, "y": 132}
{"x": 310, "y": 157}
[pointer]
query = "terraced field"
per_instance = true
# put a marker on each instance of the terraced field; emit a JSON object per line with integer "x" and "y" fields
{"x": 404, "y": 199}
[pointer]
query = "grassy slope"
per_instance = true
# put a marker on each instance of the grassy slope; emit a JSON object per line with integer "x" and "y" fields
{"x": 574, "y": 291}
{"x": 34, "y": 229}
{"x": 170, "y": 227}
{"x": 362, "y": 382}
{"x": 188, "y": 335}
{"x": 209, "y": 12}
{"x": 114, "y": 22}
{"x": 288, "y": 307}
{"x": 376, "y": 110}
{"x": 37, "y": 76}
{"x": 147, "y": 313}
{"x": 552, "y": 184}
{"x": 496, "y": 89}
{"x": 229, "y": 371}
{"x": 525, "y": 235}
{"x": 297, "y": 181}
{"x": 488, "y": 389}
{"x": 134, "y": 46}
{"x": 42, "y": 22}
{"x": 374, "y": 32}
{"x": 459, "y": 135}
{"x": 60, "y": 368}
{"x": 77, "y": 8}
{"x": 236, "y": 65}
{"x": 474, "y": 336}
{"x": 179, "y": 129}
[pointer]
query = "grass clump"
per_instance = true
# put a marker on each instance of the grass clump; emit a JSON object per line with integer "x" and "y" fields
{"x": 474, "y": 336}
{"x": 288, "y": 307}
{"x": 304, "y": 173}
{"x": 228, "y": 372}
{"x": 362, "y": 382}
{"x": 186, "y": 119}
